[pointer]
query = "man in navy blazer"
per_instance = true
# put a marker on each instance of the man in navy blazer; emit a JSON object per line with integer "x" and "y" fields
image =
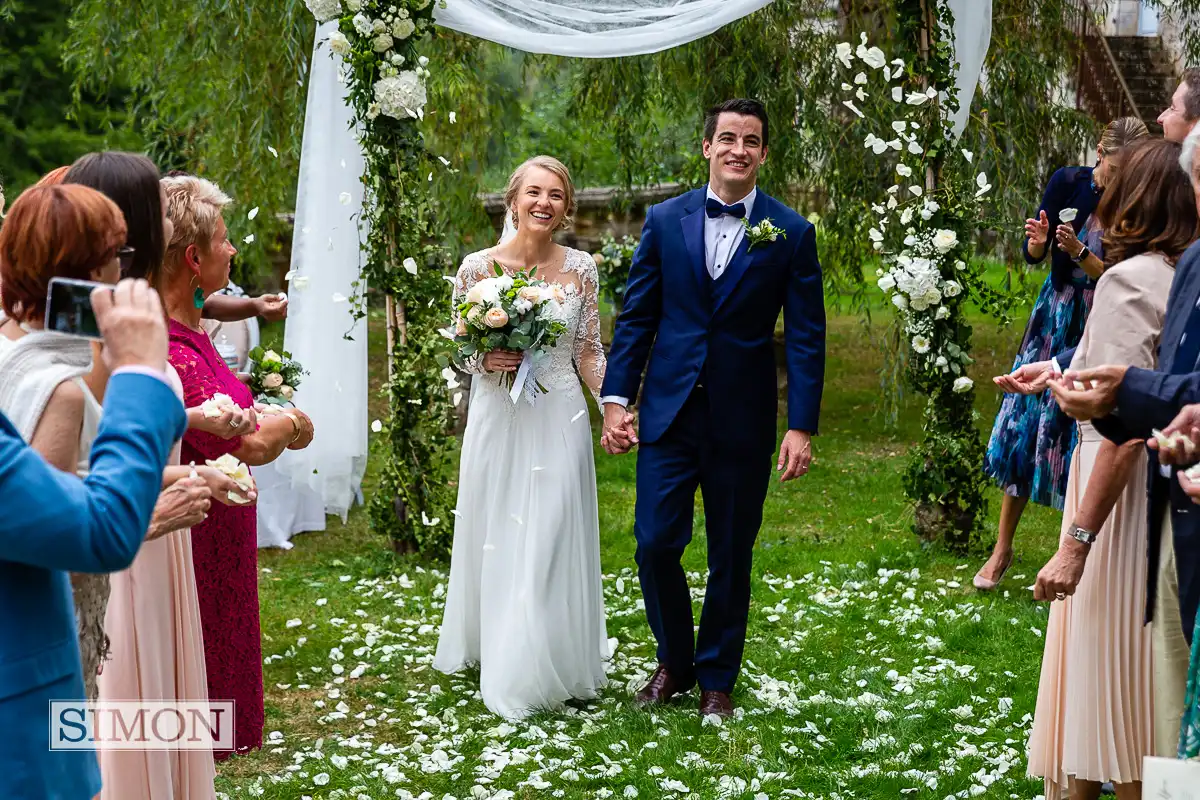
{"x": 713, "y": 270}
{"x": 52, "y": 523}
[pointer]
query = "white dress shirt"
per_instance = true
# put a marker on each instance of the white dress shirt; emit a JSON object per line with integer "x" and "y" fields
{"x": 722, "y": 236}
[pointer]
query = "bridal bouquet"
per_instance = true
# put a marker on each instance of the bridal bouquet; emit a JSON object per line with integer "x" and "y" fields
{"x": 510, "y": 312}
{"x": 274, "y": 377}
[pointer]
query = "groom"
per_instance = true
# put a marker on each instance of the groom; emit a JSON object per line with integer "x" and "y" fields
{"x": 704, "y": 294}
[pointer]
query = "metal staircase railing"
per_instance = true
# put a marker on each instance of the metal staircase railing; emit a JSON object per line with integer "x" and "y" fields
{"x": 1100, "y": 88}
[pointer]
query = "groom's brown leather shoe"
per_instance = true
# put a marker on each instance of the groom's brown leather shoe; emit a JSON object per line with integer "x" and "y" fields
{"x": 661, "y": 687}
{"x": 717, "y": 703}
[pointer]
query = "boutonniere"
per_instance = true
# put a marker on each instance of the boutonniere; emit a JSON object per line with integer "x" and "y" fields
{"x": 765, "y": 231}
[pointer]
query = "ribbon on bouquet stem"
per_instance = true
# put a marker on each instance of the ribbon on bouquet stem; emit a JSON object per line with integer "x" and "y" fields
{"x": 518, "y": 384}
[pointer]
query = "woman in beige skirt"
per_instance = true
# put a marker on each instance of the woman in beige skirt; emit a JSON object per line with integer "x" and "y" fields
{"x": 1094, "y": 717}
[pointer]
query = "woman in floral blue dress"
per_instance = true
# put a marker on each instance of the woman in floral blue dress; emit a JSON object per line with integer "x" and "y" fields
{"x": 1029, "y": 453}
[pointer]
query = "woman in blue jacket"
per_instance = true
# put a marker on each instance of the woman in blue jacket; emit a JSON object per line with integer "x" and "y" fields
{"x": 1029, "y": 453}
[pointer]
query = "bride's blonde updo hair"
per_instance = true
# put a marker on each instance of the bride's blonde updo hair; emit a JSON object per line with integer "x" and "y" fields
{"x": 550, "y": 164}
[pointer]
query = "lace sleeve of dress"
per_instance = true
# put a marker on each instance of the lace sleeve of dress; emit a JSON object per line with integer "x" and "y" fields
{"x": 199, "y": 384}
{"x": 474, "y": 269}
{"x": 590, "y": 361}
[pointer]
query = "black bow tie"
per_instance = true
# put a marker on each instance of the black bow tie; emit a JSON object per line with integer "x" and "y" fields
{"x": 715, "y": 208}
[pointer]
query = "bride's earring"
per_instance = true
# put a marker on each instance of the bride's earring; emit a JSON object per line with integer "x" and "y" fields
{"x": 514, "y": 217}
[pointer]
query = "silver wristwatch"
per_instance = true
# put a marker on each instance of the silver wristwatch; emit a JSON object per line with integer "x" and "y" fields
{"x": 1082, "y": 534}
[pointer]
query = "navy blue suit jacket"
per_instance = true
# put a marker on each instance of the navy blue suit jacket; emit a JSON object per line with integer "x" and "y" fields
{"x": 1149, "y": 399}
{"x": 53, "y": 523}
{"x": 680, "y": 327}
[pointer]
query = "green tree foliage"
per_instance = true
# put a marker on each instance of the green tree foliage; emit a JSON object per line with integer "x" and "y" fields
{"x": 38, "y": 129}
{"x": 216, "y": 85}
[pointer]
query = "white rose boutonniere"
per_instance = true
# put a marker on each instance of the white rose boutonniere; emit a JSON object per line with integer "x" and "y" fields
{"x": 765, "y": 231}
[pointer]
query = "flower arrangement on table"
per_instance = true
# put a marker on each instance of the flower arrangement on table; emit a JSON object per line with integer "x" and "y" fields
{"x": 275, "y": 376}
{"x": 510, "y": 312}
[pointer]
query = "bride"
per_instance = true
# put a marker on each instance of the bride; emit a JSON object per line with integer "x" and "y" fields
{"x": 525, "y": 600}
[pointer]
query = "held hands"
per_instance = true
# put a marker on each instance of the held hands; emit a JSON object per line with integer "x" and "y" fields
{"x": 620, "y": 430}
{"x": 131, "y": 321}
{"x": 795, "y": 455}
{"x": 1068, "y": 242}
{"x": 1026, "y": 379}
{"x": 1089, "y": 393}
{"x": 1060, "y": 577}
{"x": 1038, "y": 230}
{"x": 1187, "y": 425}
{"x": 271, "y": 307}
{"x": 503, "y": 360}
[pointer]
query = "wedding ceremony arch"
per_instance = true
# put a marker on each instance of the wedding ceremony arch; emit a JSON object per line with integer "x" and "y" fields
{"x": 362, "y": 210}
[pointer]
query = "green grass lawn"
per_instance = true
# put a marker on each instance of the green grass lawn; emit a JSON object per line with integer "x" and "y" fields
{"x": 873, "y": 670}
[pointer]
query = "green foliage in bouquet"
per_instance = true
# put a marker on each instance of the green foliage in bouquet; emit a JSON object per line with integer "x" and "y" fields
{"x": 275, "y": 376}
{"x": 521, "y": 329}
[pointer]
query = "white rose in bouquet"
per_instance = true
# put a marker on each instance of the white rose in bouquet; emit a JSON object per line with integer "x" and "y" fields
{"x": 324, "y": 10}
{"x": 551, "y": 310}
{"x": 474, "y": 314}
{"x": 378, "y": 26}
{"x": 273, "y": 381}
{"x": 401, "y": 96}
{"x": 339, "y": 44}
{"x": 382, "y": 43}
{"x": 887, "y": 283}
{"x": 503, "y": 282}
{"x": 945, "y": 240}
{"x": 271, "y": 355}
{"x": 952, "y": 289}
{"x": 522, "y": 306}
{"x": 403, "y": 28}
{"x": 363, "y": 25}
{"x": 354, "y": 5}
{"x": 496, "y": 317}
{"x": 530, "y": 294}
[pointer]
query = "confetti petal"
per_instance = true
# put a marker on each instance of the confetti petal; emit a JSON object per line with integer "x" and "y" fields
{"x": 253, "y": 213}
{"x": 272, "y": 151}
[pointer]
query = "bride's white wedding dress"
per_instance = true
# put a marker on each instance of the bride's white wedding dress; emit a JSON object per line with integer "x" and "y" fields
{"x": 525, "y": 600}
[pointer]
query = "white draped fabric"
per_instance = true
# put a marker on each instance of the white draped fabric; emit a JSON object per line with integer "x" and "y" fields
{"x": 592, "y": 28}
{"x": 325, "y": 263}
{"x": 325, "y": 249}
{"x": 972, "y": 37}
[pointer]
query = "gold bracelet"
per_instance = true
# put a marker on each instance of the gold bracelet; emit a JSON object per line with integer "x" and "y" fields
{"x": 295, "y": 424}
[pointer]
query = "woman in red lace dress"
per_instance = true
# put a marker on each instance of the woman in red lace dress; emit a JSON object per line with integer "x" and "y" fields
{"x": 225, "y": 545}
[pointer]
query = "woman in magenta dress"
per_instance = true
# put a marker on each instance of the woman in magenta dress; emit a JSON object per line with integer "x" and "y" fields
{"x": 225, "y": 545}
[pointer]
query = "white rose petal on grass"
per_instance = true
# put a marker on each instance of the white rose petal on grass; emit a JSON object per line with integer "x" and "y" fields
{"x": 376, "y": 426}
{"x": 321, "y": 778}
{"x": 294, "y": 623}
{"x": 1068, "y": 214}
